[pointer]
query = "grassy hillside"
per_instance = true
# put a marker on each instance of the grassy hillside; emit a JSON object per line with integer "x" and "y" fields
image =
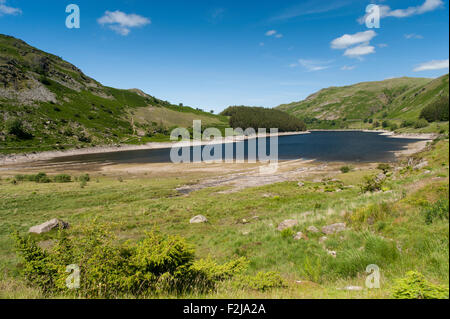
{"x": 47, "y": 103}
{"x": 397, "y": 100}
{"x": 402, "y": 227}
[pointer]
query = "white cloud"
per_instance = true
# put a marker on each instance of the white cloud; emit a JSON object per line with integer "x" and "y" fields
{"x": 122, "y": 22}
{"x": 348, "y": 40}
{"x": 413, "y": 36}
{"x": 427, "y": 6}
{"x": 360, "y": 50}
{"x": 313, "y": 65}
{"x": 432, "y": 65}
{"x": 348, "y": 68}
{"x": 6, "y": 10}
{"x": 274, "y": 33}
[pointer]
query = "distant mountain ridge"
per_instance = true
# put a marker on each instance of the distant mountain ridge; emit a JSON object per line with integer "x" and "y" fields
{"x": 398, "y": 98}
{"x": 55, "y": 105}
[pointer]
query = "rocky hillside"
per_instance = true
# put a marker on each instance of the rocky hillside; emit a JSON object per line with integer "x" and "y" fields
{"x": 47, "y": 103}
{"x": 396, "y": 99}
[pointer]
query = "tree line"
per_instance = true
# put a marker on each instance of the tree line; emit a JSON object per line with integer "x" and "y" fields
{"x": 258, "y": 117}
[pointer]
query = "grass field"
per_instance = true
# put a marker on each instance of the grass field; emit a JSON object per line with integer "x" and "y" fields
{"x": 387, "y": 228}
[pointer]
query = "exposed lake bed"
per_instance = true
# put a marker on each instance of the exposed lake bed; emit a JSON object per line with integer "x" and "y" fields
{"x": 327, "y": 146}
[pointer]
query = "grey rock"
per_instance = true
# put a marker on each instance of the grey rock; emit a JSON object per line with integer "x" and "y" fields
{"x": 334, "y": 229}
{"x": 300, "y": 184}
{"x": 312, "y": 229}
{"x": 198, "y": 219}
{"x": 48, "y": 226}
{"x": 289, "y": 223}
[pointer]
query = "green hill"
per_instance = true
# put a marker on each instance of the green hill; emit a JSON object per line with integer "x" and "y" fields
{"x": 47, "y": 103}
{"x": 397, "y": 100}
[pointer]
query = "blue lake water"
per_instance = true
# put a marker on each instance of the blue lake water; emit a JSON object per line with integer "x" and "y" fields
{"x": 352, "y": 146}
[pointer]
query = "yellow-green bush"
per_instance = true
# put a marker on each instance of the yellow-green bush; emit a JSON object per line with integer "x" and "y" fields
{"x": 262, "y": 281}
{"x": 156, "y": 265}
{"x": 415, "y": 286}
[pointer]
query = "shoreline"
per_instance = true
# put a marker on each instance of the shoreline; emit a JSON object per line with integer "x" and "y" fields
{"x": 411, "y": 148}
{"x": 46, "y": 155}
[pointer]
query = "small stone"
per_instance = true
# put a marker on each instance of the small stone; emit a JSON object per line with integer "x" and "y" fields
{"x": 198, "y": 219}
{"x": 300, "y": 184}
{"x": 313, "y": 229}
{"x": 244, "y": 221}
{"x": 332, "y": 253}
{"x": 333, "y": 229}
{"x": 299, "y": 236}
{"x": 323, "y": 239}
{"x": 289, "y": 223}
{"x": 48, "y": 226}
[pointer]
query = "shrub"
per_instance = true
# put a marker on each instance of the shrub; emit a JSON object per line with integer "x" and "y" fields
{"x": 437, "y": 211}
{"x": 84, "y": 178}
{"x": 384, "y": 167}
{"x": 345, "y": 169}
{"x": 394, "y": 126}
{"x": 415, "y": 286}
{"x": 15, "y": 127}
{"x": 156, "y": 265}
{"x": 437, "y": 111}
{"x": 62, "y": 178}
{"x": 38, "y": 178}
{"x": 407, "y": 123}
{"x": 371, "y": 184}
{"x": 262, "y": 281}
{"x": 421, "y": 123}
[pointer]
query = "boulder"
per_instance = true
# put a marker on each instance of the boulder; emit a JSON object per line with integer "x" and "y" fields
{"x": 198, "y": 219}
{"x": 300, "y": 184}
{"x": 299, "y": 236}
{"x": 289, "y": 223}
{"x": 334, "y": 229}
{"x": 48, "y": 226}
{"x": 421, "y": 165}
{"x": 312, "y": 229}
{"x": 332, "y": 253}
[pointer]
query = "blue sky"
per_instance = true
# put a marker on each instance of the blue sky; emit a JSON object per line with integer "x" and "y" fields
{"x": 212, "y": 54}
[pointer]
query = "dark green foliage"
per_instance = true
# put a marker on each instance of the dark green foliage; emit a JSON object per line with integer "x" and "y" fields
{"x": 62, "y": 178}
{"x": 384, "y": 167}
{"x": 345, "y": 169}
{"x": 421, "y": 123}
{"x": 258, "y": 117}
{"x": 415, "y": 286}
{"x": 38, "y": 178}
{"x": 15, "y": 127}
{"x": 437, "y": 211}
{"x": 436, "y": 111}
{"x": 371, "y": 184}
{"x": 157, "y": 265}
{"x": 84, "y": 178}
